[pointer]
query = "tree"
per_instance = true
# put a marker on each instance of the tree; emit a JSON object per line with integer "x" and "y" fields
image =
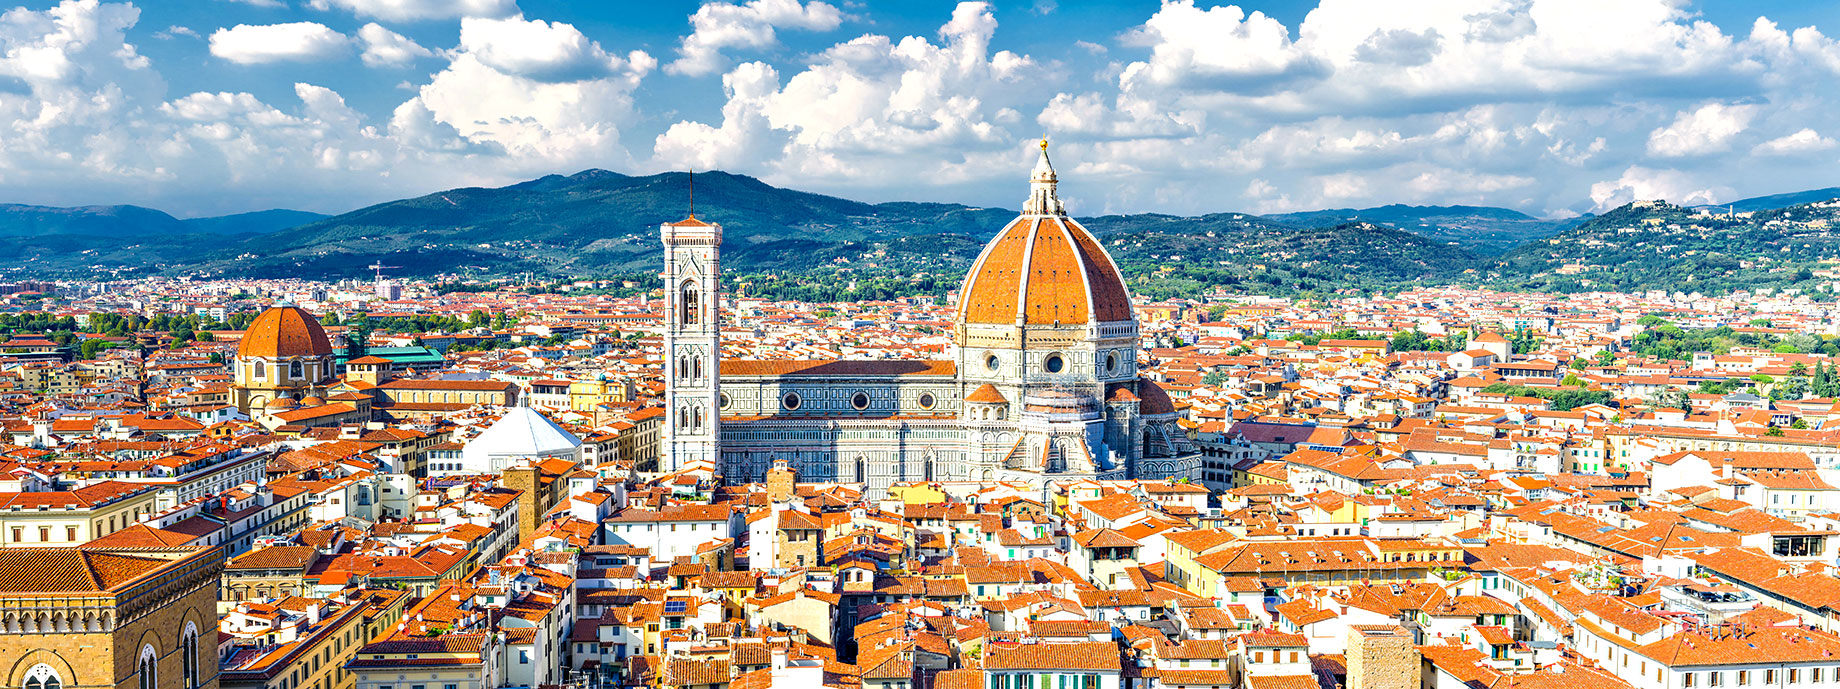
{"x": 1214, "y": 379}
{"x": 1799, "y": 424}
{"x": 478, "y": 319}
{"x": 90, "y": 348}
{"x": 1669, "y": 398}
{"x": 1774, "y": 432}
{"x": 1798, "y": 368}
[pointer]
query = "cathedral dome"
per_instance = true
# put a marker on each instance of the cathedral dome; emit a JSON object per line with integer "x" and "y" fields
{"x": 284, "y": 331}
{"x": 1043, "y": 268}
{"x": 1155, "y": 399}
{"x": 521, "y": 432}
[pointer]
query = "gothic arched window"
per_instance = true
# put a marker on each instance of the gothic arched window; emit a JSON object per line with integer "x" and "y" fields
{"x": 188, "y": 652}
{"x": 42, "y": 676}
{"x": 690, "y": 304}
{"x": 147, "y": 668}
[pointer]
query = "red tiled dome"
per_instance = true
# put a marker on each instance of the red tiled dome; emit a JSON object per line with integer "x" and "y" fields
{"x": 1155, "y": 399}
{"x": 284, "y": 331}
{"x": 1043, "y": 269}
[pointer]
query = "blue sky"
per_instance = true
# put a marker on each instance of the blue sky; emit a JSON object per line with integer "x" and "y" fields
{"x": 1552, "y": 107}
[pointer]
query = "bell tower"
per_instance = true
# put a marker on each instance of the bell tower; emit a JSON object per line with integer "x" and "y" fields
{"x": 692, "y": 342}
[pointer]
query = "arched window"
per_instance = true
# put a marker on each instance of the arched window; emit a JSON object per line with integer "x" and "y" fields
{"x": 148, "y": 668}
{"x": 261, "y": 370}
{"x": 43, "y": 676}
{"x": 188, "y": 652}
{"x": 861, "y": 470}
{"x": 689, "y": 303}
{"x": 294, "y": 370}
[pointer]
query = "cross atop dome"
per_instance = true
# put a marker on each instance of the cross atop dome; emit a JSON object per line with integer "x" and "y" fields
{"x": 1042, "y": 182}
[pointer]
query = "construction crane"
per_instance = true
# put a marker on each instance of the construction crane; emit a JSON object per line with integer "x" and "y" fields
{"x": 380, "y": 267}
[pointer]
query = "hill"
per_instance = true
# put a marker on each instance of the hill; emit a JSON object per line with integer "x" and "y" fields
{"x": 256, "y": 222}
{"x": 1656, "y": 245}
{"x": 22, "y": 220}
{"x": 1482, "y": 230}
{"x": 1762, "y": 203}
{"x": 793, "y": 244}
{"x": 598, "y": 221}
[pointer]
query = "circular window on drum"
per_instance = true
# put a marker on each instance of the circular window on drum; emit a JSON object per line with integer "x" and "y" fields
{"x": 927, "y": 400}
{"x": 1055, "y": 363}
{"x": 791, "y": 401}
{"x": 723, "y": 401}
{"x": 860, "y": 401}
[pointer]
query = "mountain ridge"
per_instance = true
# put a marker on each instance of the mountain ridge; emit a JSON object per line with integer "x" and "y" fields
{"x": 597, "y": 222}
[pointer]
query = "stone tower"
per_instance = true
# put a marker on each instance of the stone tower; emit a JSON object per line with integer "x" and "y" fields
{"x": 692, "y": 342}
{"x": 1382, "y": 657}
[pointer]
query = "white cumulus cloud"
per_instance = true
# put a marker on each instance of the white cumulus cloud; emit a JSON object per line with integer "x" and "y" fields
{"x": 871, "y": 108}
{"x": 543, "y": 51}
{"x": 386, "y": 48}
{"x": 719, "y": 26}
{"x": 1800, "y": 143}
{"x": 1707, "y": 129}
{"x": 411, "y": 10}
{"x": 248, "y": 44}
{"x": 1644, "y": 184}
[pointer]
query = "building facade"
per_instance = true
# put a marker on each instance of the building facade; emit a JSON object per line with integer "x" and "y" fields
{"x": 1043, "y": 383}
{"x": 128, "y": 618}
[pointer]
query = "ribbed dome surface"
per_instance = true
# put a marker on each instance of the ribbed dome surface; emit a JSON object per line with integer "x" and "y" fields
{"x": 284, "y": 331}
{"x": 1044, "y": 270}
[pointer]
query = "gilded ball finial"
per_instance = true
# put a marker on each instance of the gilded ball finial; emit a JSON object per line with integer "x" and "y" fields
{"x": 1044, "y": 143}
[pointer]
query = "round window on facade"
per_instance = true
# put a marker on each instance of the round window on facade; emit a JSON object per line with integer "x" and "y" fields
{"x": 927, "y": 400}
{"x": 724, "y": 400}
{"x": 860, "y": 401}
{"x": 992, "y": 362}
{"x": 1111, "y": 362}
{"x": 1054, "y": 363}
{"x": 791, "y": 401}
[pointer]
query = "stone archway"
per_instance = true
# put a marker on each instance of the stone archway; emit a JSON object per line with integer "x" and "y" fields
{"x": 66, "y": 673}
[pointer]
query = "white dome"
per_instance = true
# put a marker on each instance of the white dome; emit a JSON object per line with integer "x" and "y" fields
{"x": 521, "y": 432}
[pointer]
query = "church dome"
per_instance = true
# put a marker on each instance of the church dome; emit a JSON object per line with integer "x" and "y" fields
{"x": 521, "y": 432}
{"x": 1155, "y": 399}
{"x": 284, "y": 331}
{"x": 1043, "y": 268}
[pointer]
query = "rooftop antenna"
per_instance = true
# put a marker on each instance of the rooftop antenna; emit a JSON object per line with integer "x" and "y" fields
{"x": 690, "y": 176}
